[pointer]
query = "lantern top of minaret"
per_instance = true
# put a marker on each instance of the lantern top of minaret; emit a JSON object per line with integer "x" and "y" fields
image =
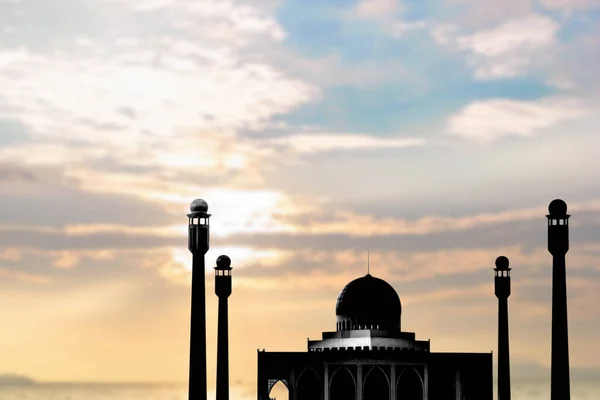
{"x": 199, "y": 208}
{"x": 557, "y": 209}
{"x": 502, "y": 264}
{"x": 223, "y": 263}
{"x": 199, "y": 205}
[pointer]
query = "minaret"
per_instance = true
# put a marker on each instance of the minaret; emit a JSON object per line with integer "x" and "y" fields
{"x": 502, "y": 286}
{"x": 223, "y": 290}
{"x": 198, "y": 244}
{"x": 558, "y": 246}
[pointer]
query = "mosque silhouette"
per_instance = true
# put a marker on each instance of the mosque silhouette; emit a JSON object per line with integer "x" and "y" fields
{"x": 369, "y": 357}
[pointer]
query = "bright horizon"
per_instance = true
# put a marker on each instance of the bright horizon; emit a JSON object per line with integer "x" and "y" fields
{"x": 436, "y": 134}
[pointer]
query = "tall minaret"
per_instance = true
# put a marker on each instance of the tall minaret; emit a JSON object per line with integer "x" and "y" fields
{"x": 558, "y": 246}
{"x": 223, "y": 290}
{"x": 198, "y": 244}
{"x": 502, "y": 285}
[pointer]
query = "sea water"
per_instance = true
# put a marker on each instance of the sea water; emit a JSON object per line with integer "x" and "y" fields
{"x": 521, "y": 390}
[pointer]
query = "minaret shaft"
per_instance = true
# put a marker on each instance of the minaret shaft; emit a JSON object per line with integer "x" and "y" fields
{"x": 197, "y": 383}
{"x": 558, "y": 246}
{"x": 223, "y": 351}
{"x": 502, "y": 289}
{"x": 560, "y": 380}
{"x": 503, "y": 351}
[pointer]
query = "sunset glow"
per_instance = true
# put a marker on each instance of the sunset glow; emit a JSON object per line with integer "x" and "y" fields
{"x": 435, "y": 134}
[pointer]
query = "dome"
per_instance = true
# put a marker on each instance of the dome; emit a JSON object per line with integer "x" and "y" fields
{"x": 223, "y": 262}
{"x": 199, "y": 205}
{"x": 368, "y": 303}
{"x": 557, "y": 208}
{"x": 502, "y": 263}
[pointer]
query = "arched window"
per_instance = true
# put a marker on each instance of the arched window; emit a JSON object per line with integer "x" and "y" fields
{"x": 376, "y": 385}
{"x": 410, "y": 385}
{"x": 342, "y": 385}
{"x": 309, "y": 386}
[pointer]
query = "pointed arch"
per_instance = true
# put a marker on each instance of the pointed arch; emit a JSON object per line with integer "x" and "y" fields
{"x": 342, "y": 385}
{"x": 376, "y": 385}
{"x": 279, "y": 390}
{"x": 273, "y": 381}
{"x": 409, "y": 385}
{"x": 308, "y": 385}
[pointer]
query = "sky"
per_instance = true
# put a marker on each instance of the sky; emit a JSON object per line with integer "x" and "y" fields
{"x": 436, "y": 133}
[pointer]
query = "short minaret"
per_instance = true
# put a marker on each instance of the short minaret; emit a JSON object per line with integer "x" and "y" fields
{"x": 502, "y": 286}
{"x": 558, "y": 246}
{"x": 198, "y": 244}
{"x": 223, "y": 290}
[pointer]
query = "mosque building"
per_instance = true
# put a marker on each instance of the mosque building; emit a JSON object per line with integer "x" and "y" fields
{"x": 369, "y": 357}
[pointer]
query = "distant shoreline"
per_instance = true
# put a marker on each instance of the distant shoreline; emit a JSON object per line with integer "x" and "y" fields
{"x": 16, "y": 380}
{"x": 31, "y": 382}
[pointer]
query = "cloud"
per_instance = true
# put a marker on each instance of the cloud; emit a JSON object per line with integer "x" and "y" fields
{"x": 524, "y": 370}
{"x": 529, "y": 234}
{"x": 511, "y": 49}
{"x": 245, "y": 19}
{"x": 10, "y": 173}
{"x": 399, "y": 29}
{"x": 452, "y": 272}
{"x": 487, "y": 120}
{"x": 324, "y": 142}
{"x": 161, "y": 100}
{"x": 576, "y": 68}
{"x": 570, "y": 5}
{"x": 245, "y": 221}
{"x": 352, "y": 224}
{"x": 8, "y": 275}
{"x": 376, "y": 9}
{"x": 43, "y": 197}
{"x": 387, "y": 14}
{"x": 150, "y": 110}
{"x": 470, "y": 14}
{"x": 332, "y": 70}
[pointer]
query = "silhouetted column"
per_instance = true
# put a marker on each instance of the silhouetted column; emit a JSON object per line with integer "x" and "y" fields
{"x": 458, "y": 385}
{"x": 223, "y": 291}
{"x": 326, "y": 382}
{"x": 425, "y": 383}
{"x": 393, "y": 382}
{"x": 198, "y": 244}
{"x": 359, "y": 382}
{"x": 558, "y": 246}
{"x": 292, "y": 385}
{"x": 502, "y": 288}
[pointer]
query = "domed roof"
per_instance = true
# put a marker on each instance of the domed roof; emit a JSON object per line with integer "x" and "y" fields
{"x": 557, "y": 208}
{"x": 223, "y": 263}
{"x": 370, "y": 301}
{"x": 199, "y": 205}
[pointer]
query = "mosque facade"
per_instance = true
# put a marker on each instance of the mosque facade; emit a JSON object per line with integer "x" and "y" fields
{"x": 369, "y": 357}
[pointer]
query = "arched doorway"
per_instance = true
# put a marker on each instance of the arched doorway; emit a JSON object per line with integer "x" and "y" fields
{"x": 308, "y": 386}
{"x": 279, "y": 392}
{"x": 343, "y": 386}
{"x": 410, "y": 385}
{"x": 376, "y": 386}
